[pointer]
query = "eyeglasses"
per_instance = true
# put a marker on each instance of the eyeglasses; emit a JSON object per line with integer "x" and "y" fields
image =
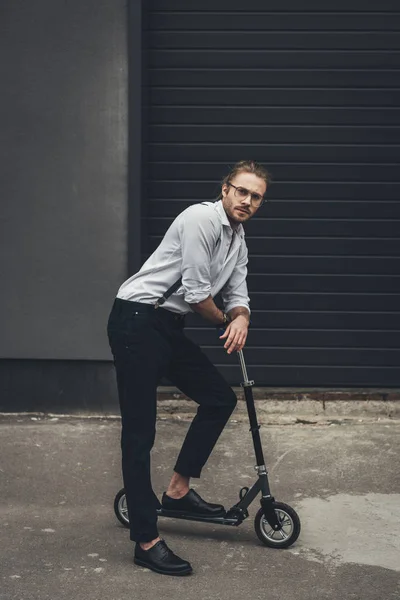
{"x": 242, "y": 193}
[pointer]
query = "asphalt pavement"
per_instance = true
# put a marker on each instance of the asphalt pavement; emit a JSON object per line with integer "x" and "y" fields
{"x": 61, "y": 540}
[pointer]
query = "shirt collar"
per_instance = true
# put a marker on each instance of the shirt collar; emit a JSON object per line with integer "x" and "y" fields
{"x": 224, "y": 218}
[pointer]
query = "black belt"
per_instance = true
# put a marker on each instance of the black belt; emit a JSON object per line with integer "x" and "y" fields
{"x": 128, "y": 306}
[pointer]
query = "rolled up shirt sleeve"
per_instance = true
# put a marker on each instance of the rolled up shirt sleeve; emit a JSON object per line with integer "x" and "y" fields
{"x": 198, "y": 237}
{"x": 235, "y": 293}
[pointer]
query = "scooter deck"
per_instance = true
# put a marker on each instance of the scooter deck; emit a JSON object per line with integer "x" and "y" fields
{"x": 175, "y": 514}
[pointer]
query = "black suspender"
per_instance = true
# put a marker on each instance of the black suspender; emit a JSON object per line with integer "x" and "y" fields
{"x": 177, "y": 283}
{"x": 168, "y": 293}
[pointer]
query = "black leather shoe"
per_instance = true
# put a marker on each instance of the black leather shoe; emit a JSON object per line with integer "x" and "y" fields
{"x": 192, "y": 503}
{"x": 161, "y": 559}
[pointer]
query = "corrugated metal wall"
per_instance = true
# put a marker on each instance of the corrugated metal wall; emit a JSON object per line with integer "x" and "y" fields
{"x": 312, "y": 90}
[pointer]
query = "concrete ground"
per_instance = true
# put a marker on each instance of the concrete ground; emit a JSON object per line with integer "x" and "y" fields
{"x": 61, "y": 540}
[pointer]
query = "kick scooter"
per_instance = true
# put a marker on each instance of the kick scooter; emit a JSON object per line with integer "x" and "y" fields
{"x": 277, "y": 525}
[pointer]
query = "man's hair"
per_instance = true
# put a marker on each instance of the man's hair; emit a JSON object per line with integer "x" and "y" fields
{"x": 246, "y": 166}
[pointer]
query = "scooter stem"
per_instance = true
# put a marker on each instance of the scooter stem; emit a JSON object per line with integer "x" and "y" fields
{"x": 267, "y": 501}
{"x": 243, "y": 365}
{"x": 251, "y": 411}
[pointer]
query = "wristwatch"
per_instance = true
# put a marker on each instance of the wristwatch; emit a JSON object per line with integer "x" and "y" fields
{"x": 226, "y": 320}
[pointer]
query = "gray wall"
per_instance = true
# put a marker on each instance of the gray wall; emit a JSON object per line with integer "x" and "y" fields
{"x": 63, "y": 185}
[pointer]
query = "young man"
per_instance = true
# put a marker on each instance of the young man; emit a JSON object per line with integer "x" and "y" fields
{"x": 202, "y": 253}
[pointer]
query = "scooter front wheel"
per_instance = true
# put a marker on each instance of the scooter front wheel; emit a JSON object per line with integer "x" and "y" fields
{"x": 284, "y": 537}
{"x": 121, "y": 508}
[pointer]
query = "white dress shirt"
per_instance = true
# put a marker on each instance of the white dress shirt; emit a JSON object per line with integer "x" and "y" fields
{"x": 198, "y": 247}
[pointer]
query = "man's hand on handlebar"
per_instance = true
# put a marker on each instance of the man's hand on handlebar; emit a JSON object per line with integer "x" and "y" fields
{"x": 236, "y": 334}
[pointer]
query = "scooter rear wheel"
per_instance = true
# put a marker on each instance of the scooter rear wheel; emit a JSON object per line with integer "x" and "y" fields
{"x": 283, "y": 538}
{"x": 121, "y": 509}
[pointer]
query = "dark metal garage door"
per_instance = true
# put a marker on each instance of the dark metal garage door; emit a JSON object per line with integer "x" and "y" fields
{"x": 312, "y": 90}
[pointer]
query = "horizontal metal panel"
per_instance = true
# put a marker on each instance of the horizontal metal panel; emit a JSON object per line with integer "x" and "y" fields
{"x": 295, "y": 319}
{"x": 303, "y": 228}
{"x": 322, "y": 302}
{"x": 309, "y": 338}
{"x": 286, "y": 282}
{"x": 340, "y": 228}
{"x": 324, "y": 246}
{"x": 274, "y": 152}
{"x": 275, "y": 134}
{"x": 345, "y": 209}
{"x": 275, "y": 40}
{"x": 261, "y": 6}
{"x": 185, "y": 171}
{"x": 276, "y": 59}
{"x": 325, "y": 265}
{"x": 267, "y": 115}
{"x": 326, "y": 320}
{"x": 314, "y": 246}
{"x": 298, "y": 375}
{"x": 283, "y": 190}
{"x": 309, "y": 356}
{"x": 302, "y": 78}
{"x": 262, "y": 96}
{"x": 269, "y": 21}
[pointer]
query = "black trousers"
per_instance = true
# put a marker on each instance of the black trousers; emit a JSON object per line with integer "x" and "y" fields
{"x": 148, "y": 344}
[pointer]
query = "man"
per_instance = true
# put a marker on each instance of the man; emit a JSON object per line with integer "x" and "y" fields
{"x": 202, "y": 253}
